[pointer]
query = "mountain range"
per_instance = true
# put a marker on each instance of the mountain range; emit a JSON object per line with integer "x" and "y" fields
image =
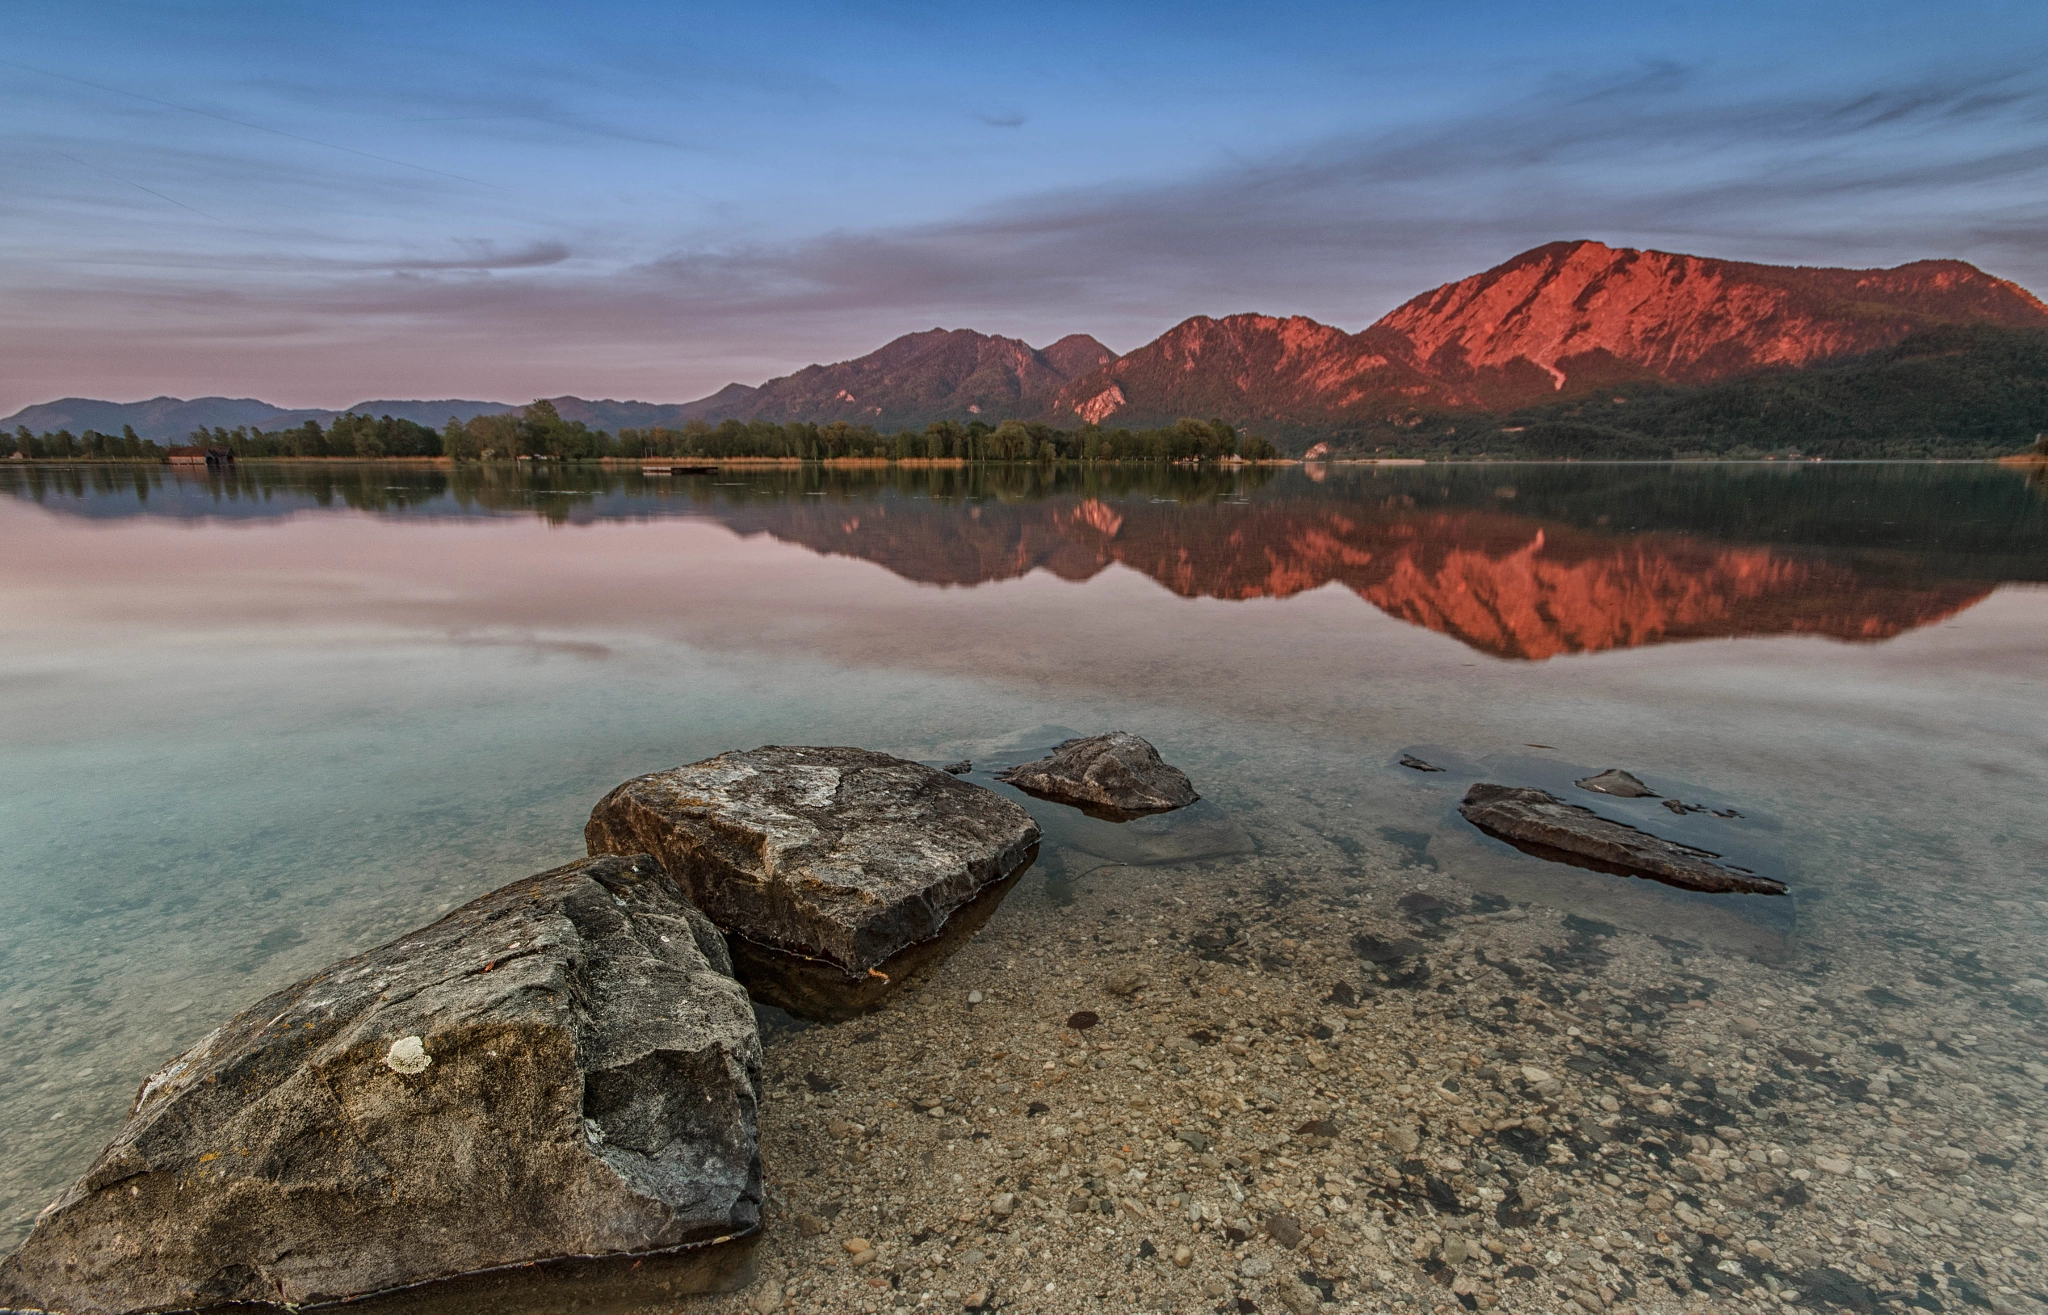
{"x": 1564, "y": 321}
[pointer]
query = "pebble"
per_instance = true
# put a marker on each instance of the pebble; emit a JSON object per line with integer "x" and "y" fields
{"x": 1833, "y": 1165}
{"x": 974, "y": 997}
{"x": 766, "y": 1298}
{"x": 1183, "y": 1256}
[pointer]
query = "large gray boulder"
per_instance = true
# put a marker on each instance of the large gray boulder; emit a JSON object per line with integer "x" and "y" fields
{"x": 836, "y": 871}
{"x": 1117, "y": 776}
{"x": 562, "y": 1068}
{"x": 1538, "y": 822}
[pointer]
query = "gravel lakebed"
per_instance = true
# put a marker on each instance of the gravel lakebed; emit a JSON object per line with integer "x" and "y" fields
{"x": 1230, "y": 1086}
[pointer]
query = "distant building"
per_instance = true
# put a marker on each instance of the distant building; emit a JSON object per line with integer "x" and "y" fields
{"x": 201, "y": 456}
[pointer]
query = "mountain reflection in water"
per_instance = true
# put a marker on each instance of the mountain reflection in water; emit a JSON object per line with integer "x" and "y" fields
{"x": 1506, "y": 585}
{"x": 1520, "y": 562}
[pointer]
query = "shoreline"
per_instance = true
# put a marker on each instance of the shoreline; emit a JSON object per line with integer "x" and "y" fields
{"x": 632, "y": 464}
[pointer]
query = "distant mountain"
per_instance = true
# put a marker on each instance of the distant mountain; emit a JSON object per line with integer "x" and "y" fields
{"x": 172, "y": 418}
{"x": 1563, "y": 318}
{"x": 432, "y": 414}
{"x": 614, "y": 416}
{"x": 1953, "y": 391}
{"x": 941, "y": 374}
{"x": 1563, "y": 325}
{"x": 1245, "y": 369}
{"x": 1580, "y": 314}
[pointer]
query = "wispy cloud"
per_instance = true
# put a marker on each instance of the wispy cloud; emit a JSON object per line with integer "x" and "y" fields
{"x": 480, "y": 255}
{"x": 1342, "y": 228}
{"x": 1866, "y": 174}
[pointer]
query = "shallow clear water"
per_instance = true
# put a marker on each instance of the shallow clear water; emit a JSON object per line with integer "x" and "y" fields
{"x": 258, "y": 722}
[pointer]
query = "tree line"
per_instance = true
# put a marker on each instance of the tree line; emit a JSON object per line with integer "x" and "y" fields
{"x": 92, "y": 445}
{"x": 539, "y": 431}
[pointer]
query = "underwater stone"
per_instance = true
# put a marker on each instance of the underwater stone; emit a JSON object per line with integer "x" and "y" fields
{"x": 1541, "y": 824}
{"x": 1117, "y": 775}
{"x": 1618, "y": 783}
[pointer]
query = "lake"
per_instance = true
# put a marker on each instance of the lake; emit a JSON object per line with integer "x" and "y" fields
{"x": 260, "y": 720}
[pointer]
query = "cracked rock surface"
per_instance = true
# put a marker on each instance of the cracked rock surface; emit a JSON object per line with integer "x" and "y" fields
{"x": 835, "y": 854}
{"x": 564, "y": 1067}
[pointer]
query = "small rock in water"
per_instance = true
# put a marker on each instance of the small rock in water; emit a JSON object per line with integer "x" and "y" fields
{"x": 1298, "y": 1297}
{"x": 1124, "y": 983}
{"x": 1409, "y": 760}
{"x": 1116, "y": 776}
{"x": 1538, "y": 822}
{"x": 1616, "y": 782}
{"x": 960, "y": 768}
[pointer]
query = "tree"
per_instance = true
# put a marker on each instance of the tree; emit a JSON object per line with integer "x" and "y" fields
{"x": 458, "y": 442}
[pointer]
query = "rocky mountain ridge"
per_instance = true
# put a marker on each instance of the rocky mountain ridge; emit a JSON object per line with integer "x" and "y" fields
{"x": 1563, "y": 319}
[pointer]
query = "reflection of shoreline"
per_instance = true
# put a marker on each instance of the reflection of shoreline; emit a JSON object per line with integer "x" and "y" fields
{"x": 1502, "y": 584}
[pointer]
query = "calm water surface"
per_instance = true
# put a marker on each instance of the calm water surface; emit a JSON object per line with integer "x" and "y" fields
{"x": 253, "y": 723}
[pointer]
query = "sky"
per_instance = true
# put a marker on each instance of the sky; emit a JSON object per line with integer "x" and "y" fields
{"x": 318, "y": 204}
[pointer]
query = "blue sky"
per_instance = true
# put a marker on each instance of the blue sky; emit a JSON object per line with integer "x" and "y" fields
{"x": 318, "y": 204}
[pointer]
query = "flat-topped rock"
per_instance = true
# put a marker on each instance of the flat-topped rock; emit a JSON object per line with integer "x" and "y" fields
{"x": 840, "y": 860}
{"x": 1542, "y": 824}
{"x": 563, "y": 1068}
{"x": 1116, "y": 775}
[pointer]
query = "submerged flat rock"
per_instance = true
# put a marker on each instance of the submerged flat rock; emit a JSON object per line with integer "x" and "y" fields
{"x": 563, "y": 1068}
{"x": 1614, "y": 781}
{"x": 1541, "y": 823}
{"x": 1117, "y": 775}
{"x": 844, "y": 859}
